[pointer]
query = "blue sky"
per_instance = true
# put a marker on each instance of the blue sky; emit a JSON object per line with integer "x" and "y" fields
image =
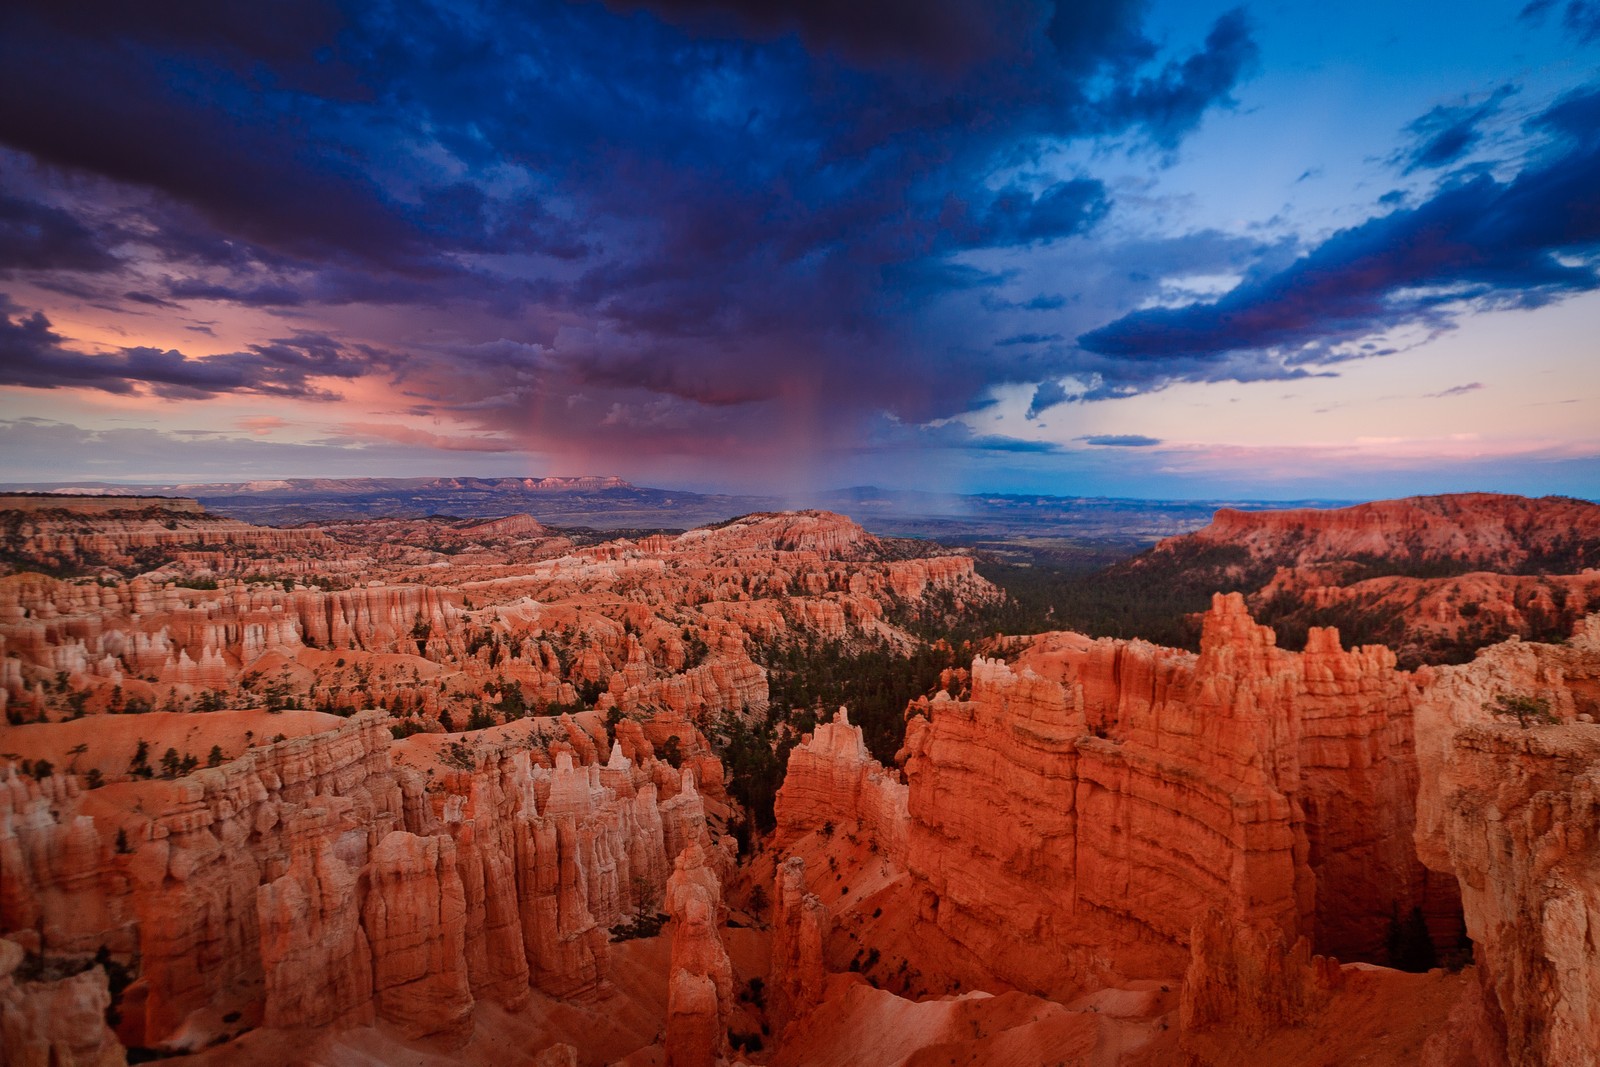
{"x": 1171, "y": 249}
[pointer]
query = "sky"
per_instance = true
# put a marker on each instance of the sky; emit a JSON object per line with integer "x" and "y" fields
{"x": 1160, "y": 249}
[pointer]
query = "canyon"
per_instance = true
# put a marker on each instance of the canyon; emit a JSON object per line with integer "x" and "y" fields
{"x": 468, "y": 791}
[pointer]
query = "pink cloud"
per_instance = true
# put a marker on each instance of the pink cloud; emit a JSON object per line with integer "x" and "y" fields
{"x": 261, "y": 425}
{"x": 407, "y": 435}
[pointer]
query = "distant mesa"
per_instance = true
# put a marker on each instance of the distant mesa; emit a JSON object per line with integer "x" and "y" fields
{"x": 573, "y": 484}
{"x": 96, "y": 504}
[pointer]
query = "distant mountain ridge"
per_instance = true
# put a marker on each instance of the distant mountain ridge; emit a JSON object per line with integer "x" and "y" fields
{"x": 1030, "y": 525}
{"x": 551, "y": 484}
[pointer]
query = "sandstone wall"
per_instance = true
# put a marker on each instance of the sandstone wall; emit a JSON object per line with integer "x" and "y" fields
{"x": 1513, "y": 813}
{"x": 1497, "y": 530}
{"x": 1071, "y": 823}
{"x": 54, "y": 1023}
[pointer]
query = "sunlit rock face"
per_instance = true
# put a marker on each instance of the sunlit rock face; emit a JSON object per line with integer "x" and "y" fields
{"x": 1104, "y": 849}
{"x": 1095, "y": 799}
{"x": 833, "y": 777}
{"x": 799, "y": 931}
{"x": 1489, "y": 530}
{"x": 1101, "y": 812}
{"x": 1511, "y": 810}
{"x": 257, "y": 863}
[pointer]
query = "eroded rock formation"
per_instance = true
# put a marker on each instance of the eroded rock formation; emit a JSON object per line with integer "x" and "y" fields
{"x": 441, "y": 623}
{"x": 799, "y": 929}
{"x": 700, "y": 978}
{"x": 54, "y": 1023}
{"x": 314, "y": 881}
{"x": 1433, "y": 578}
{"x": 1490, "y": 531}
{"x": 1250, "y": 979}
{"x": 1512, "y": 810}
{"x": 1094, "y": 800}
{"x": 832, "y": 777}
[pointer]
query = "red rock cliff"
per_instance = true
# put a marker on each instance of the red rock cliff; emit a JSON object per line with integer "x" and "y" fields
{"x": 1513, "y": 812}
{"x": 1499, "y": 532}
{"x": 1072, "y": 822}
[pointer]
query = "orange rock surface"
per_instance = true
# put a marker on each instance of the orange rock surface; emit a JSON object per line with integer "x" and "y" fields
{"x": 415, "y": 915}
{"x": 54, "y": 1023}
{"x": 1500, "y": 531}
{"x": 1070, "y": 824}
{"x": 1434, "y": 577}
{"x": 700, "y": 979}
{"x": 1103, "y": 852}
{"x": 438, "y": 621}
{"x": 1094, "y": 796}
{"x": 1513, "y": 812}
{"x": 799, "y": 931}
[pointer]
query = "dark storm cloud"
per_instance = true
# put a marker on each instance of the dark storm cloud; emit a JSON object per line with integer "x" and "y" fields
{"x": 1575, "y": 116}
{"x": 1169, "y": 104}
{"x": 1476, "y": 242}
{"x": 39, "y": 237}
{"x": 1446, "y": 134}
{"x": 32, "y": 354}
{"x": 259, "y": 295}
{"x": 943, "y": 32}
{"x": 222, "y": 114}
{"x": 1121, "y": 440}
{"x": 721, "y": 206}
{"x": 146, "y": 298}
{"x": 1047, "y": 395}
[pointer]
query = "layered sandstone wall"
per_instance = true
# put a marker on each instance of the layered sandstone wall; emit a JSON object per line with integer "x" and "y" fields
{"x": 133, "y": 534}
{"x": 1096, "y": 799}
{"x": 832, "y": 778}
{"x": 799, "y": 931}
{"x": 54, "y": 1023}
{"x": 1513, "y": 812}
{"x": 661, "y": 624}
